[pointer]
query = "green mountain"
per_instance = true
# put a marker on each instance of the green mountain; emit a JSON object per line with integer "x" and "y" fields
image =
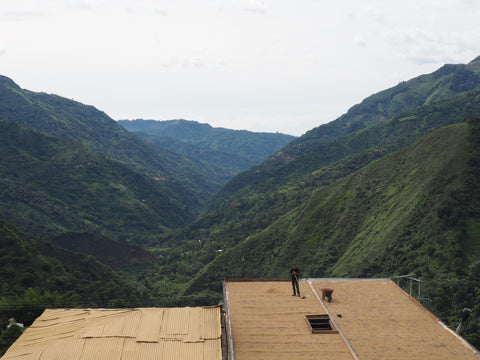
{"x": 255, "y": 199}
{"x": 227, "y": 152}
{"x": 254, "y": 147}
{"x": 67, "y": 119}
{"x": 407, "y": 211}
{"x": 49, "y": 186}
{"x": 445, "y": 83}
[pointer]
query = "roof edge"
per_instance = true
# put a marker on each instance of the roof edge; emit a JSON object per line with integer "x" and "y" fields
{"x": 348, "y": 279}
{"x": 254, "y": 280}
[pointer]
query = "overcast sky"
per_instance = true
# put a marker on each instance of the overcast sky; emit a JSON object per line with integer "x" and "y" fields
{"x": 260, "y": 65}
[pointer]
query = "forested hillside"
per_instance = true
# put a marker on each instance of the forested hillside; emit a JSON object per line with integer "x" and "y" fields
{"x": 447, "y": 82}
{"x": 226, "y": 152}
{"x": 37, "y": 274}
{"x": 49, "y": 186}
{"x": 405, "y": 212}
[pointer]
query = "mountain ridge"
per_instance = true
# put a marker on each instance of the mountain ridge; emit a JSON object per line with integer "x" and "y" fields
{"x": 301, "y": 156}
{"x": 406, "y": 95}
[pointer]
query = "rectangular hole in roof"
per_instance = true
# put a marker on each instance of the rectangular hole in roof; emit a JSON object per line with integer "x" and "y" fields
{"x": 321, "y": 324}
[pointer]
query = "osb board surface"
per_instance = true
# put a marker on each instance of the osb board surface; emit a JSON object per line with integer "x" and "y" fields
{"x": 381, "y": 321}
{"x": 143, "y": 334}
{"x": 269, "y": 323}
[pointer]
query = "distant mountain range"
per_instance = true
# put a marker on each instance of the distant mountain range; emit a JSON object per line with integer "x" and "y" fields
{"x": 227, "y": 152}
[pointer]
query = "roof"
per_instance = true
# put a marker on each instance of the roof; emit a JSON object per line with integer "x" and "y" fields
{"x": 147, "y": 333}
{"x": 374, "y": 319}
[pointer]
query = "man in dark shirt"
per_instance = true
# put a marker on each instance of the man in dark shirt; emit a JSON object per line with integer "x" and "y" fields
{"x": 295, "y": 274}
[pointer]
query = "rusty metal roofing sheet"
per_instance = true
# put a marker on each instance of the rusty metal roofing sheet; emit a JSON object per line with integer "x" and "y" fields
{"x": 105, "y": 334}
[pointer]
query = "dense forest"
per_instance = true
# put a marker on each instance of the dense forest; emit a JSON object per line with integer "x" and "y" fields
{"x": 102, "y": 215}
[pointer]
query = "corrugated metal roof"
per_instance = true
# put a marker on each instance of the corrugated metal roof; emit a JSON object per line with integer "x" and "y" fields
{"x": 105, "y": 334}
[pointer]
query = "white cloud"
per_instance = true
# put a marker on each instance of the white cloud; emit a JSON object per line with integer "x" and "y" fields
{"x": 161, "y": 11}
{"x": 422, "y": 47}
{"x": 19, "y": 15}
{"x": 359, "y": 40}
{"x": 256, "y": 6}
{"x": 87, "y": 5}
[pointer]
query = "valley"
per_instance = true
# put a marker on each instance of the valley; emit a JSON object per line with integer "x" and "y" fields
{"x": 96, "y": 212}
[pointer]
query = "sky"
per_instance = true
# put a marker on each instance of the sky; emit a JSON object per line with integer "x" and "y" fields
{"x": 260, "y": 65}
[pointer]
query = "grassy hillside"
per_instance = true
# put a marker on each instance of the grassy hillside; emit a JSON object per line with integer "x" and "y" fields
{"x": 419, "y": 197}
{"x": 49, "y": 186}
{"x": 406, "y": 122}
{"x": 414, "y": 211}
{"x": 255, "y": 199}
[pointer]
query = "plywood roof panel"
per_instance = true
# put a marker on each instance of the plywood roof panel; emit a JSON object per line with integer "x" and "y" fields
{"x": 375, "y": 319}
{"x": 381, "y": 320}
{"x": 268, "y": 323}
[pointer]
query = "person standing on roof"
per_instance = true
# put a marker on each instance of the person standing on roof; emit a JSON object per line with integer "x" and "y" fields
{"x": 295, "y": 275}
